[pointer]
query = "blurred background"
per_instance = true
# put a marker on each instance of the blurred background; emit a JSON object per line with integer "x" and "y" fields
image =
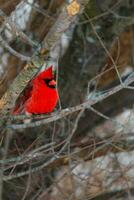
{"x": 88, "y": 154}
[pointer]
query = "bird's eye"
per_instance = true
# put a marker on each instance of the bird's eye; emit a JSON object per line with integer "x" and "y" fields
{"x": 51, "y": 83}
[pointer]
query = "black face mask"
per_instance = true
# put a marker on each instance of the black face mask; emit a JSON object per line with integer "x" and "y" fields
{"x": 47, "y": 81}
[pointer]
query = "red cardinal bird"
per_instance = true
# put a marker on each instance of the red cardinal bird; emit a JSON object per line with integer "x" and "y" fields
{"x": 40, "y": 97}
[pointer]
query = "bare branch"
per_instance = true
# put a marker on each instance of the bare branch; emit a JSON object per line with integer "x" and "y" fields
{"x": 95, "y": 148}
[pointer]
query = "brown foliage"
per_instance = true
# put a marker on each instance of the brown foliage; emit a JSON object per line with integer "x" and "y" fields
{"x": 9, "y": 5}
{"x": 121, "y": 52}
{"x": 41, "y": 23}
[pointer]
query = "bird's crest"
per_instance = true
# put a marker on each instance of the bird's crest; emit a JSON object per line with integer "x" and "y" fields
{"x": 48, "y": 73}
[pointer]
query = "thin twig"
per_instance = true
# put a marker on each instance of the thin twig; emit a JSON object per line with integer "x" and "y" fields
{"x": 106, "y": 50}
{"x": 115, "y": 145}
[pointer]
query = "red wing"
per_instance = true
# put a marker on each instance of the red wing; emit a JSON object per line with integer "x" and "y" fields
{"x": 20, "y": 102}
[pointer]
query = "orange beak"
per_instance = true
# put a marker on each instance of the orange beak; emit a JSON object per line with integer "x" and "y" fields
{"x": 53, "y": 82}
